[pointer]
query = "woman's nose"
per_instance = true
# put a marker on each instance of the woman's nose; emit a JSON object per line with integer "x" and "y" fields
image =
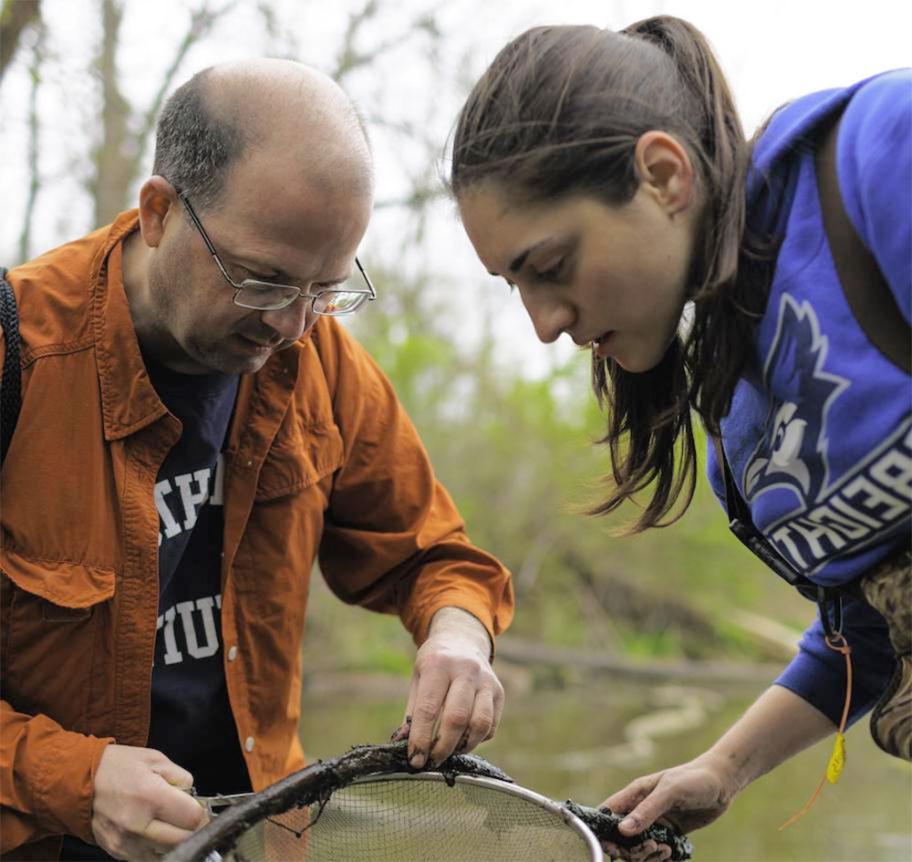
{"x": 550, "y": 318}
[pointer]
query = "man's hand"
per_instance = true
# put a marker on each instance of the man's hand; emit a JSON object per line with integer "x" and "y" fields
{"x": 686, "y": 797}
{"x": 140, "y": 811}
{"x": 455, "y": 700}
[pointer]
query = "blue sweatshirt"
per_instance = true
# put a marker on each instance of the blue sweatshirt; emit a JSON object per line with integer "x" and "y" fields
{"x": 819, "y": 436}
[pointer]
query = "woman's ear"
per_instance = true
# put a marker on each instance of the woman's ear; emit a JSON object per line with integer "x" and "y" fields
{"x": 665, "y": 171}
{"x": 156, "y": 199}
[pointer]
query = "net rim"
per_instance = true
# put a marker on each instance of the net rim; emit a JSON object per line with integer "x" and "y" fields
{"x": 508, "y": 788}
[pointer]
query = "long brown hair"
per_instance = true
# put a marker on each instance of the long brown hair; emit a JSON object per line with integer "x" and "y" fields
{"x": 559, "y": 113}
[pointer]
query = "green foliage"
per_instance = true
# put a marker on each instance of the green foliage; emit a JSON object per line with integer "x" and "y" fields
{"x": 517, "y": 455}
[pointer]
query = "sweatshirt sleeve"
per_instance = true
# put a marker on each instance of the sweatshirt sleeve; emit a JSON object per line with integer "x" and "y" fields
{"x": 47, "y": 779}
{"x": 818, "y": 673}
{"x": 393, "y": 540}
{"x": 874, "y": 165}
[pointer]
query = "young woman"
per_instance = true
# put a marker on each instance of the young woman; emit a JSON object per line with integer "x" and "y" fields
{"x": 606, "y": 178}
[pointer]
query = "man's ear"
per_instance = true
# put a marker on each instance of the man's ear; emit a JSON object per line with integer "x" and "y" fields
{"x": 665, "y": 171}
{"x": 156, "y": 200}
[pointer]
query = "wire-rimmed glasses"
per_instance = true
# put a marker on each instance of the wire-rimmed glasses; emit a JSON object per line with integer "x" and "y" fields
{"x": 270, "y": 296}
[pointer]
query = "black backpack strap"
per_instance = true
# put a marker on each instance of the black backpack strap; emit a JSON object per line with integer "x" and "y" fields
{"x": 741, "y": 524}
{"x": 865, "y": 288}
{"x": 11, "y": 383}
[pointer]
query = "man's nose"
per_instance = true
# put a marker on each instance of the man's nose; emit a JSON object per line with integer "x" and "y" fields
{"x": 292, "y": 321}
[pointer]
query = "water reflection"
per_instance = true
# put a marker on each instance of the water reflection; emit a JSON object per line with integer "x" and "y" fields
{"x": 584, "y": 742}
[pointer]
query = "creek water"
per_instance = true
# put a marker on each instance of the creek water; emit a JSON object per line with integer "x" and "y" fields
{"x": 585, "y": 741}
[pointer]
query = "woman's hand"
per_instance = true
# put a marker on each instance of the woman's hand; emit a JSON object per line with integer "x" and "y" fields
{"x": 686, "y": 797}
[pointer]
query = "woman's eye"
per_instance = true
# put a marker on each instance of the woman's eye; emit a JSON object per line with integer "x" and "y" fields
{"x": 552, "y": 273}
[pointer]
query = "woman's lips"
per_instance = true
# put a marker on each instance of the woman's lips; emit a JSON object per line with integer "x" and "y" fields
{"x": 601, "y": 346}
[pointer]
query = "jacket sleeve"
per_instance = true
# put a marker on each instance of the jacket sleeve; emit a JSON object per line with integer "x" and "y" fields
{"x": 47, "y": 776}
{"x": 393, "y": 540}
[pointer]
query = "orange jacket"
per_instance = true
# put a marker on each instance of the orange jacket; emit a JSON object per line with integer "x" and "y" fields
{"x": 321, "y": 462}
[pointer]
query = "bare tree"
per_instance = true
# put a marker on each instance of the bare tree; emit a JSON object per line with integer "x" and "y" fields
{"x": 34, "y": 132}
{"x": 15, "y": 17}
{"x": 110, "y": 155}
{"x": 126, "y": 131}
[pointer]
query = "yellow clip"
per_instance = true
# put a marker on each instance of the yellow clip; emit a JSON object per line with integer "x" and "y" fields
{"x": 837, "y": 759}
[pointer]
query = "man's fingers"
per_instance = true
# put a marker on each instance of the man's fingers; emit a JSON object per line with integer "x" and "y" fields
{"x": 402, "y": 732}
{"x": 405, "y": 729}
{"x": 454, "y": 719}
{"x": 175, "y": 775}
{"x": 165, "y": 835}
{"x": 429, "y": 696}
{"x": 482, "y": 724}
{"x": 498, "y": 701}
{"x": 178, "y": 809}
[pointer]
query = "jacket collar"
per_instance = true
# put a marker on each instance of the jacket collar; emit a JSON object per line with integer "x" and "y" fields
{"x": 129, "y": 401}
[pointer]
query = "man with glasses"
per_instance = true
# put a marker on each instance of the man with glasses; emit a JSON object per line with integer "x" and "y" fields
{"x": 196, "y": 431}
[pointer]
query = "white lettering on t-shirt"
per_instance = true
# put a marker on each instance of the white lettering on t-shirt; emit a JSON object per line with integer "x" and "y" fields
{"x": 196, "y": 489}
{"x": 180, "y": 623}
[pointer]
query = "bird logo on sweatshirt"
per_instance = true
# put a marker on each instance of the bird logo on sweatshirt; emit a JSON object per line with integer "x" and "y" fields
{"x": 793, "y": 452}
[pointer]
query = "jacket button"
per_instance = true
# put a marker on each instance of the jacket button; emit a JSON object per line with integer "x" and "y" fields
{"x": 232, "y": 653}
{"x": 249, "y": 743}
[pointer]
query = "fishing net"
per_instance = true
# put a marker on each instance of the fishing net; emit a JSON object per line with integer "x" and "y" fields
{"x": 369, "y": 804}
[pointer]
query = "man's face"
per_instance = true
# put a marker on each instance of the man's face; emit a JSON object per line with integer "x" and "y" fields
{"x": 268, "y": 224}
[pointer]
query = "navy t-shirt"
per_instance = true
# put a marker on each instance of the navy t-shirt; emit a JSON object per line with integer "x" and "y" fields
{"x": 191, "y": 717}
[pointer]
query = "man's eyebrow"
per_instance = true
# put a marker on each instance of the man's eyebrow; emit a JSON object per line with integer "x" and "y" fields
{"x": 283, "y": 277}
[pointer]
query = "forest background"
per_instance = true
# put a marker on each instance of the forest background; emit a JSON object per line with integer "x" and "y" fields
{"x": 510, "y": 424}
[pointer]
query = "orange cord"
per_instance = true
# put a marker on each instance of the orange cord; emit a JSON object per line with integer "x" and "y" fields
{"x": 837, "y": 758}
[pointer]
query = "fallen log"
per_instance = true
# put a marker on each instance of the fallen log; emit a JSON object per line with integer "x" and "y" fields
{"x": 527, "y": 652}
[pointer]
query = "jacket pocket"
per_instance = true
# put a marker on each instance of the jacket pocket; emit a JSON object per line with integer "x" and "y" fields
{"x": 53, "y": 614}
{"x": 65, "y": 584}
{"x": 299, "y": 463}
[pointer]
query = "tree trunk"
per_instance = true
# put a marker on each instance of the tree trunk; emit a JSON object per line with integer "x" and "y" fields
{"x": 15, "y": 16}
{"x": 112, "y": 177}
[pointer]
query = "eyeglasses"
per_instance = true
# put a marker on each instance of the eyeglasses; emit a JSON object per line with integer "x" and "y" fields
{"x": 269, "y": 296}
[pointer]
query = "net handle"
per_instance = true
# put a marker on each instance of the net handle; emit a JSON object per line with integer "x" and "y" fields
{"x": 313, "y": 784}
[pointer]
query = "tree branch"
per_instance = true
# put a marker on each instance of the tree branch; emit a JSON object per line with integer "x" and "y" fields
{"x": 201, "y": 21}
{"x": 350, "y": 58}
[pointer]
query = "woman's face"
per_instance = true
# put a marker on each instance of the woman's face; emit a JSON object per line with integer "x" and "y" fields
{"x": 610, "y": 276}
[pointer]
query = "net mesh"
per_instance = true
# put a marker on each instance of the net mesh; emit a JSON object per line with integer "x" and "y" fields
{"x": 390, "y": 818}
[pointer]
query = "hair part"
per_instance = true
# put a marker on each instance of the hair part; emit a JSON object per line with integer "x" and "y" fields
{"x": 559, "y": 113}
{"x": 194, "y": 145}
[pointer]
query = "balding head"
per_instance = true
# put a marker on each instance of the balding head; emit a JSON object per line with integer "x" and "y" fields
{"x": 258, "y": 110}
